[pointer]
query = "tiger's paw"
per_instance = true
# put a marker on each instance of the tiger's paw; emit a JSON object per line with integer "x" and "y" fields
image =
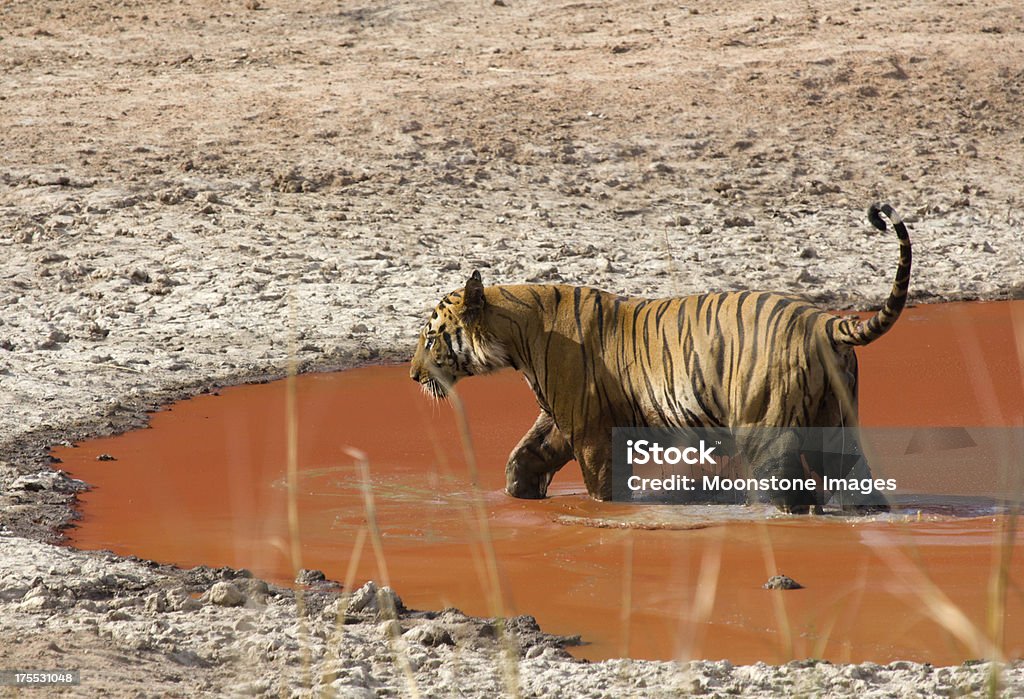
{"x": 528, "y": 486}
{"x": 796, "y": 502}
{"x": 525, "y": 492}
{"x": 866, "y": 508}
{"x": 863, "y": 503}
{"x": 799, "y": 509}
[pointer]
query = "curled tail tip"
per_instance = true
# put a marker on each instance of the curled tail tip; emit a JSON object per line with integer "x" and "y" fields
{"x": 856, "y": 332}
{"x": 874, "y": 216}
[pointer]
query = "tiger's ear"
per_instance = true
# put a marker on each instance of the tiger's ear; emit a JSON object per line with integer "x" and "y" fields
{"x": 473, "y": 298}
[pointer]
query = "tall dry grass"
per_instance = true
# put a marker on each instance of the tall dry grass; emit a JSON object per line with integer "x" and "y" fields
{"x": 483, "y": 554}
{"x": 292, "y": 481}
{"x": 494, "y": 591}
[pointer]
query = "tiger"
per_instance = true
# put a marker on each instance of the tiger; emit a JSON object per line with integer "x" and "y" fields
{"x": 597, "y": 360}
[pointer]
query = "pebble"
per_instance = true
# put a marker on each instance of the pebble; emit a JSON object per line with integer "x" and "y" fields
{"x": 370, "y": 598}
{"x": 782, "y": 582}
{"x": 225, "y": 594}
{"x": 429, "y": 634}
{"x": 53, "y": 339}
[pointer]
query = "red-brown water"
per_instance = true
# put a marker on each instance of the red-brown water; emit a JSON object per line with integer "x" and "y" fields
{"x": 207, "y": 485}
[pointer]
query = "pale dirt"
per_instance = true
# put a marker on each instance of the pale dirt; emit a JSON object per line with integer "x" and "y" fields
{"x": 191, "y": 193}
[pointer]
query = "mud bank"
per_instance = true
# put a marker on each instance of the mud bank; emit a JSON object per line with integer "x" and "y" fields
{"x": 194, "y": 195}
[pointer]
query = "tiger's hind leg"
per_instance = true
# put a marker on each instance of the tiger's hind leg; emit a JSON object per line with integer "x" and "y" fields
{"x": 533, "y": 463}
{"x": 835, "y": 453}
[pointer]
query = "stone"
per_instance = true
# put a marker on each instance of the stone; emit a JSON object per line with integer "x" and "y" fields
{"x": 225, "y": 594}
{"x": 369, "y": 599}
{"x": 307, "y": 576}
{"x": 429, "y": 634}
{"x": 782, "y": 582}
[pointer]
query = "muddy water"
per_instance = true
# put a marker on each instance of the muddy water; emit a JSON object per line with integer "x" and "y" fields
{"x": 207, "y": 484}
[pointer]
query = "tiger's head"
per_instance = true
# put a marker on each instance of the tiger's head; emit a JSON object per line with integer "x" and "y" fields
{"x": 454, "y": 344}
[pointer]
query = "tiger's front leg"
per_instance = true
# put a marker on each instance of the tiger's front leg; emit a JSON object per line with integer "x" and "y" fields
{"x": 535, "y": 460}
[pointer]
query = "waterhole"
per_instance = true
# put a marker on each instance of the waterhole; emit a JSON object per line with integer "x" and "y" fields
{"x": 207, "y": 484}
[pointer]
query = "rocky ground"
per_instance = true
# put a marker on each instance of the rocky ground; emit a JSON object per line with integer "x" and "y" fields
{"x": 194, "y": 194}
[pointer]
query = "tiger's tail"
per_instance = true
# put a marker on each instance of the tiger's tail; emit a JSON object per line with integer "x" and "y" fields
{"x": 851, "y": 331}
